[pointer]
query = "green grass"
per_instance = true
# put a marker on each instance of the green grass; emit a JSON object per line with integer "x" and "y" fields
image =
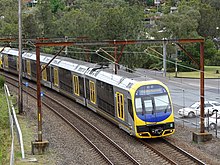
{"x": 28, "y": 129}
{"x": 210, "y": 72}
{"x": 5, "y": 139}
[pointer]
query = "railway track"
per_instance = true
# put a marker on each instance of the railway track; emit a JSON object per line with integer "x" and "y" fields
{"x": 171, "y": 152}
{"x": 107, "y": 150}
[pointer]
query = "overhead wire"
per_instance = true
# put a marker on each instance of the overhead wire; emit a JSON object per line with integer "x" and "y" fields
{"x": 141, "y": 74}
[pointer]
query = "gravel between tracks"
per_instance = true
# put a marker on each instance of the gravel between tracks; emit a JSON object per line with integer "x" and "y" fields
{"x": 67, "y": 147}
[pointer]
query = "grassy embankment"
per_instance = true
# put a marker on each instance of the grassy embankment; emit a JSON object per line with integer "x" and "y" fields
{"x": 210, "y": 72}
{"x": 28, "y": 130}
{"x": 5, "y": 140}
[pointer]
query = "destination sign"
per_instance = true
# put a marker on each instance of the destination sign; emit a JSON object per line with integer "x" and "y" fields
{"x": 150, "y": 90}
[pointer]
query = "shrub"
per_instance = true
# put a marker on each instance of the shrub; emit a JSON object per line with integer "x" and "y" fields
{"x": 2, "y": 81}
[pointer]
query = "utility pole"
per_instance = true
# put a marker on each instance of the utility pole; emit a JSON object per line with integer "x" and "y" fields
{"x": 66, "y": 48}
{"x": 176, "y": 52}
{"x": 202, "y": 129}
{"x": 164, "y": 57}
{"x": 20, "y": 97}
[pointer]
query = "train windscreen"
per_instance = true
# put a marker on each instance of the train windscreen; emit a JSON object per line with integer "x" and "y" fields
{"x": 152, "y": 103}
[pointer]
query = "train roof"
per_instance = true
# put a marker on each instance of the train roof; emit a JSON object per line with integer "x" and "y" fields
{"x": 110, "y": 78}
{"x": 72, "y": 64}
{"x": 123, "y": 79}
{"x": 10, "y": 51}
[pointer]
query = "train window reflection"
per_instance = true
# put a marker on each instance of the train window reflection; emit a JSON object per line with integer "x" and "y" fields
{"x": 148, "y": 105}
{"x": 162, "y": 103}
{"x": 138, "y": 105}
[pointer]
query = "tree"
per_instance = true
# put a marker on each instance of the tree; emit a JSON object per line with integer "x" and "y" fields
{"x": 120, "y": 22}
{"x": 56, "y": 5}
{"x": 214, "y": 3}
{"x": 30, "y": 28}
{"x": 209, "y": 21}
{"x": 9, "y": 18}
{"x": 75, "y": 23}
{"x": 45, "y": 19}
{"x": 181, "y": 24}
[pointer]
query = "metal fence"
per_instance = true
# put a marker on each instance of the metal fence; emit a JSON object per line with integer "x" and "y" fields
{"x": 13, "y": 121}
{"x": 196, "y": 124}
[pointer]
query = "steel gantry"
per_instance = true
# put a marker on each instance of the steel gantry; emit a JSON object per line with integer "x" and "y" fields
{"x": 117, "y": 43}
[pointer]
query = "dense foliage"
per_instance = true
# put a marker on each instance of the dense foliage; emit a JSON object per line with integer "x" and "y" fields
{"x": 121, "y": 19}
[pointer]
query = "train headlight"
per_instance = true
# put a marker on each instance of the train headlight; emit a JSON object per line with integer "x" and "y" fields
{"x": 171, "y": 125}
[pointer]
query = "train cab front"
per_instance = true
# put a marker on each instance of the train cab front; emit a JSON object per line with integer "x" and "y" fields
{"x": 153, "y": 111}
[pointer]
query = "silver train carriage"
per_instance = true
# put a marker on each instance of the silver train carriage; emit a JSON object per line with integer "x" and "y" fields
{"x": 143, "y": 108}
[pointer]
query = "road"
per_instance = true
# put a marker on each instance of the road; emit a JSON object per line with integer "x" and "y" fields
{"x": 185, "y": 91}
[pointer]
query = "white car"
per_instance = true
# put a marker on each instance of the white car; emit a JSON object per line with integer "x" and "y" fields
{"x": 211, "y": 121}
{"x": 194, "y": 109}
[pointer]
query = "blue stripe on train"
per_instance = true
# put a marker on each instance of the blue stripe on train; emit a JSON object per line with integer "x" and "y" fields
{"x": 154, "y": 117}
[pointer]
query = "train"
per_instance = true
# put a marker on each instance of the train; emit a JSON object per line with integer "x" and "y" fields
{"x": 138, "y": 105}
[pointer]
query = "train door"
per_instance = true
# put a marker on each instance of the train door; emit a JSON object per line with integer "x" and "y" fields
{"x": 56, "y": 77}
{"x": 76, "y": 85}
{"x": 17, "y": 60}
{"x": 5, "y": 61}
{"x": 92, "y": 92}
{"x": 44, "y": 73}
{"x": 120, "y": 106}
{"x": 0, "y": 61}
{"x": 28, "y": 65}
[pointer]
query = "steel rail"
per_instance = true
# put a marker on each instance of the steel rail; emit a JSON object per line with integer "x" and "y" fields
{"x": 68, "y": 122}
{"x": 171, "y": 158}
{"x": 80, "y": 132}
{"x": 196, "y": 160}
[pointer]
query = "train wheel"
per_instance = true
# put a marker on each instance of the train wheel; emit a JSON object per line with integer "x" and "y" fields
{"x": 191, "y": 114}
